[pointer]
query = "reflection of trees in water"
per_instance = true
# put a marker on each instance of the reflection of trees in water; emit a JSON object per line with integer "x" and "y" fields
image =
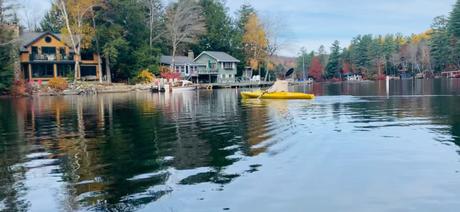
{"x": 12, "y": 189}
{"x": 115, "y": 152}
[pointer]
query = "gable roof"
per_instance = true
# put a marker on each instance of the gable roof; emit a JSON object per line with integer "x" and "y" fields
{"x": 219, "y": 56}
{"x": 178, "y": 60}
{"x": 28, "y": 38}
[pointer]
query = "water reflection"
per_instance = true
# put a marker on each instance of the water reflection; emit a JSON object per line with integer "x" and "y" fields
{"x": 125, "y": 152}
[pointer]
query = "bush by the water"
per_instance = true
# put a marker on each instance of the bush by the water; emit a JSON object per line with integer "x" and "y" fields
{"x": 58, "y": 83}
{"x": 145, "y": 76}
{"x": 19, "y": 88}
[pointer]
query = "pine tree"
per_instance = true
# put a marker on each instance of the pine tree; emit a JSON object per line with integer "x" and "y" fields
{"x": 454, "y": 20}
{"x": 333, "y": 66}
{"x": 53, "y": 20}
{"x": 439, "y": 44}
{"x": 219, "y": 28}
{"x": 8, "y": 46}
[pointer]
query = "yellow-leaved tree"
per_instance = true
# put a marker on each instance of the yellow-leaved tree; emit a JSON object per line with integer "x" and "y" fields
{"x": 78, "y": 29}
{"x": 255, "y": 42}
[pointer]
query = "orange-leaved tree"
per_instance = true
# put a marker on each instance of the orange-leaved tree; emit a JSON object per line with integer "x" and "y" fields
{"x": 255, "y": 42}
{"x": 78, "y": 29}
{"x": 316, "y": 69}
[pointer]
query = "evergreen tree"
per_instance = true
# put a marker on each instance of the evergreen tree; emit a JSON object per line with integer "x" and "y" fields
{"x": 303, "y": 63}
{"x": 454, "y": 20}
{"x": 439, "y": 44}
{"x": 52, "y": 21}
{"x": 243, "y": 14}
{"x": 334, "y": 65}
{"x": 8, "y": 48}
{"x": 220, "y": 32}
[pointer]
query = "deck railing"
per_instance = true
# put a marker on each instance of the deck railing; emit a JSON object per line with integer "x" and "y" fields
{"x": 50, "y": 57}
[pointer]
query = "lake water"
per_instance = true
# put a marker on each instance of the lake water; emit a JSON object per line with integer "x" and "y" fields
{"x": 354, "y": 148}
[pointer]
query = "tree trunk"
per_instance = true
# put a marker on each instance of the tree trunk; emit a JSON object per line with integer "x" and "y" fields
{"x": 77, "y": 68}
{"x": 174, "y": 59}
{"x": 266, "y": 72}
{"x": 99, "y": 66}
{"x": 107, "y": 69}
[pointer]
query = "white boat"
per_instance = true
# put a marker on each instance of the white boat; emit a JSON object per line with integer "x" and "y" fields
{"x": 181, "y": 88}
{"x": 184, "y": 88}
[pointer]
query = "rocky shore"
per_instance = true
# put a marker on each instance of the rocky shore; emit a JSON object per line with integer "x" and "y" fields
{"x": 83, "y": 88}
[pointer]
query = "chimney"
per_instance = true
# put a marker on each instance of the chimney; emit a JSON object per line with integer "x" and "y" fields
{"x": 191, "y": 55}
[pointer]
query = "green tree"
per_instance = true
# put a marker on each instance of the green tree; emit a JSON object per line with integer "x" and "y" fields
{"x": 124, "y": 37}
{"x": 439, "y": 44}
{"x": 53, "y": 20}
{"x": 8, "y": 45}
{"x": 243, "y": 14}
{"x": 454, "y": 20}
{"x": 219, "y": 36}
{"x": 334, "y": 64}
{"x": 303, "y": 63}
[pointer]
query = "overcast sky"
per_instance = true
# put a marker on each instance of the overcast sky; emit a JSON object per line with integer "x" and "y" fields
{"x": 310, "y": 23}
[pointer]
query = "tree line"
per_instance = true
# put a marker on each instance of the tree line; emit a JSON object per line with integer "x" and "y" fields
{"x": 131, "y": 35}
{"x": 374, "y": 56}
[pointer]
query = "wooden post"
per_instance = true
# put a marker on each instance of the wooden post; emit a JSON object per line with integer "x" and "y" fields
{"x": 30, "y": 72}
{"x": 55, "y": 70}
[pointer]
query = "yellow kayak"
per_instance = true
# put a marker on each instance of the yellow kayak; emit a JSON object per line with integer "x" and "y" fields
{"x": 277, "y": 95}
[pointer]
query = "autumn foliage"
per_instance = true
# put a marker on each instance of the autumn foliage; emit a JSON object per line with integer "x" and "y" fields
{"x": 316, "y": 69}
{"x": 170, "y": 75}
{"x": 58, "y": 83}
{"x": 346, "y": 68}
{"x": 255, "y": 41}
{"x": 145, "y": 76}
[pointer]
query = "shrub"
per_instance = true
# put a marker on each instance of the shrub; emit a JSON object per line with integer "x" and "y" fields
{"x": 58, "y": 83}
{"x": 145, "y": 76}
{"x": 171, "y": 75}
{"x": 19, "y": 88}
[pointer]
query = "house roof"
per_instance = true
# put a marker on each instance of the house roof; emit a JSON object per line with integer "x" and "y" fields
{"x": 28, "y": 38}
{"x": 220, "y": 56}
{"x": 178, "y": 60}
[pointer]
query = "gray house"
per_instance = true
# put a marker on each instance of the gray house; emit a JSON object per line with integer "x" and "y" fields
{"x": 182, "y": 64}
{"x": 217, "y": 67}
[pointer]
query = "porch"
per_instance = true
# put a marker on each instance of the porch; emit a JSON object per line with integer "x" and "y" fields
{"x": 46, "y": 71}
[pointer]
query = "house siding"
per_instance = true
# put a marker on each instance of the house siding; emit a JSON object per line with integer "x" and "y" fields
{"x": 223, "y": 75}
{"x": 29, "y": 62}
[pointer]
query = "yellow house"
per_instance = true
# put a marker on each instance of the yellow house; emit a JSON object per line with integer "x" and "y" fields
{"x": 45, "y": 55}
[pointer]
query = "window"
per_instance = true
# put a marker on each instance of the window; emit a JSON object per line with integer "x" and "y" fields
{"x": 42, "y": 70}
{"x": 48, "y": 50}
{"x": 87, "y": 56}
{"x": 48, "y": 39}
{"x": 228, "y": 65}
{"x": 88, "y": 71}
{"x": 65, "y": 70}
{"x": 212, "y": 65}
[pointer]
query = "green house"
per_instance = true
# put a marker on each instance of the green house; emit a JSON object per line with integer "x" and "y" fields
{"x": 216, "y": 67}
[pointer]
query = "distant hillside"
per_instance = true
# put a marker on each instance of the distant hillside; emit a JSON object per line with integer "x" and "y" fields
{"x": 288, "y": 62}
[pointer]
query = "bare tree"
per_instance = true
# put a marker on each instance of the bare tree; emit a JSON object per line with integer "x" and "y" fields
{"x": 273, "y": 27}
{"x": 29, "y": 15}
{"x": 154, "y": 19}
{"x": 184, "y": 23}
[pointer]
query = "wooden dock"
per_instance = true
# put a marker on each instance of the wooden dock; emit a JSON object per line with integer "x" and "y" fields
{"x": 234, "y": 85}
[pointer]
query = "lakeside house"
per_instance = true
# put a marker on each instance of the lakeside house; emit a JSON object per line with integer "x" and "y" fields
{"x": 45, "y": 55}
{"x": 184, "y": 65}
{"x": 209, "y": 66}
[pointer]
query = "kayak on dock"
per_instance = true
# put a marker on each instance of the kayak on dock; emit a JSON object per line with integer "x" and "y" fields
{"x": 276, "y": 95}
